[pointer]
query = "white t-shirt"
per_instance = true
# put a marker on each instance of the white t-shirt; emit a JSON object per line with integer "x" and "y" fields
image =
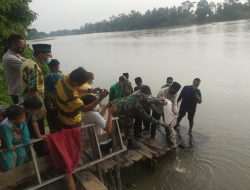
{"x": 95, "y": 117}
{"x": 169, "y": 116}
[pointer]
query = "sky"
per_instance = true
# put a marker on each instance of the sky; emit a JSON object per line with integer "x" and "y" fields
{"x": 72, "y": 14}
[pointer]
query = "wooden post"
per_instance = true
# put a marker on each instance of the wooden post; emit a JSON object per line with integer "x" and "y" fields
{"x": 95, "y": 150}
{"x": 117, "y": 144}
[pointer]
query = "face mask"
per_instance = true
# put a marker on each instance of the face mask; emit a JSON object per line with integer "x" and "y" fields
{"x": 47, "y": 61}
{"x": 19, "y": 49}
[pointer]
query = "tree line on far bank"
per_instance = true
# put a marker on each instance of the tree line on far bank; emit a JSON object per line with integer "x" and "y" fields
{"x": 186, "y": 14}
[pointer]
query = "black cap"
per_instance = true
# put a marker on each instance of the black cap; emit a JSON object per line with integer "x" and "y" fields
{"x": 126, "y": 75}
{"x": 145, "y": 90}
{"x": 176, "y": 86}
{"x": 53, "y": 63}
{"x": 138, "y": 80}
{"x": 41, "y": 47}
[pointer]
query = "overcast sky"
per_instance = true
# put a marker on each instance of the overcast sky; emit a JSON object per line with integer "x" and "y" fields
{"x": 71, "y": 14}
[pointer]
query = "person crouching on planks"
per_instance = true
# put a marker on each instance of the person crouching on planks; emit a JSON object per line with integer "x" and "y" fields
{"x": 131, "y": 107}
{"x": 169, "y": 93}
{"x": 96, "y": 117}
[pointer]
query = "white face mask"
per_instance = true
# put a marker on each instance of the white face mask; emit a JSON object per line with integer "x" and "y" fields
{"x": 48, "y": 60}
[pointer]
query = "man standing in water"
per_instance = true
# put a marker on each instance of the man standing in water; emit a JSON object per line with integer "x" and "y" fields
{"x": 190, "y": 96}
{"x": 117, "y": 90}
{"x": 169, "y": 82}
{"x": 128, "y": 89}
{"x": 139, "y": 120}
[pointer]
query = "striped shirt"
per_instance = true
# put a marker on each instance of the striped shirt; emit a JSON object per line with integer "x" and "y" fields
{"x": 68, "y": 103}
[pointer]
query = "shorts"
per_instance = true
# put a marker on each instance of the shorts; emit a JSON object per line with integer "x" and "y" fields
{"x": 191, "y": 112}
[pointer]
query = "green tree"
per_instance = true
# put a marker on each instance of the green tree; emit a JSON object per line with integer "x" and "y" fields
{"x": 15, "y": 16}
{"x": 203, "y": 11}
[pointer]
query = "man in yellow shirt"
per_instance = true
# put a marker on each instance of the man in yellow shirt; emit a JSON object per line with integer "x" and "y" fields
{"x": 70, "y": 108}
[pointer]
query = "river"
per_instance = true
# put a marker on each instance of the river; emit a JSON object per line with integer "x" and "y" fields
{"x": 217, "y": 155}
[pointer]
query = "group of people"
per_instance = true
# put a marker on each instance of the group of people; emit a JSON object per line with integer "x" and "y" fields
{"x": 39, "y": 91}
{"x": 134, "y": 108}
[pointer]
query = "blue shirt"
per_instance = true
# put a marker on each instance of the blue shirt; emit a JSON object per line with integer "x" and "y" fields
{"x": 12, "y": 135}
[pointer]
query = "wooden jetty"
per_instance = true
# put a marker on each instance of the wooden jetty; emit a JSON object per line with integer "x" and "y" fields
{"x": 39, "y": 172}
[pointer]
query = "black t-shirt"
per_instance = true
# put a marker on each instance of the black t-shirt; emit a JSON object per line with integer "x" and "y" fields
{"x": 188, "y": 97}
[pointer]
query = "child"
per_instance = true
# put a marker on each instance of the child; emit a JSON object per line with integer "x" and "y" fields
{"x": 96, "y": 117}
{"x": 33, "y": 106}
{"x": 50, "y": 95}
{"x": 14, "y": 131}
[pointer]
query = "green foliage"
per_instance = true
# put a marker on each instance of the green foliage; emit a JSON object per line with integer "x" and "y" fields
{"x": 15, "y": 16}
{"x": 4, "y": 98}
{"x": 203, "y": 11}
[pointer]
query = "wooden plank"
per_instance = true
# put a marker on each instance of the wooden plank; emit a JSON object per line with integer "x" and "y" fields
{"x": 153, "y": 143}
{"x": 133, "y": 155}
{"x": 156, "y": 151}
{"x": 89, "y": 181}
{"x": 117, "y": 144}
{"x": 145, "y": 151}
{"x": 125, "y": 163}
{"x": 13, "y": 177}
{"x": 107, "y": 165}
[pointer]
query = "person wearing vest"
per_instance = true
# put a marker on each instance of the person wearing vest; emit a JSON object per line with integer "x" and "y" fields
{"x": 32, "y": 74}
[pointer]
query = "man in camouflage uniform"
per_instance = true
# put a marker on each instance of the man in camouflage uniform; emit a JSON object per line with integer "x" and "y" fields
{"x": 128, "y": 89}
{"x": 130, "y": 107}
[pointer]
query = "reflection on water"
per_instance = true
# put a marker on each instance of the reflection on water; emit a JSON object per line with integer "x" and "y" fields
{"x": 217, "y": 155}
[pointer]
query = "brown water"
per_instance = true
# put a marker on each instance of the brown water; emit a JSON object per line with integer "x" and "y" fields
{"x": 219, "y": 155}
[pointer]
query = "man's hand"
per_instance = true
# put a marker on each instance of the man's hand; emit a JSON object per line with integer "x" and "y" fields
{"x": 95, "y": 90}
{"x": 174, "y": 112}
{"x": 165, "y": 125}
{"x": 111, "y": 108}
{"x": 162, "y": 102}
{"x": 103, "y": 93}
{"x": 198, "y": 99}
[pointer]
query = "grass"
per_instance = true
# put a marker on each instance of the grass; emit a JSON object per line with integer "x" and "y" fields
{"x": 4, "y": 98}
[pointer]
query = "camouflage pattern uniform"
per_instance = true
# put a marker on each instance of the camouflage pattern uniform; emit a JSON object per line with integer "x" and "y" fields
{"x": 128, "y": 89}
{"x": 130, "y": 107}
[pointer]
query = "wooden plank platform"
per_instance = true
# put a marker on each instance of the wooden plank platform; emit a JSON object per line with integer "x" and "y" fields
{"x": 107, "y": 165}
{"x": 132, "y": 155}
{"x": 150, "y": 149}
{"x": 89, "y": 181}
{"x": 10, "y": 178}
